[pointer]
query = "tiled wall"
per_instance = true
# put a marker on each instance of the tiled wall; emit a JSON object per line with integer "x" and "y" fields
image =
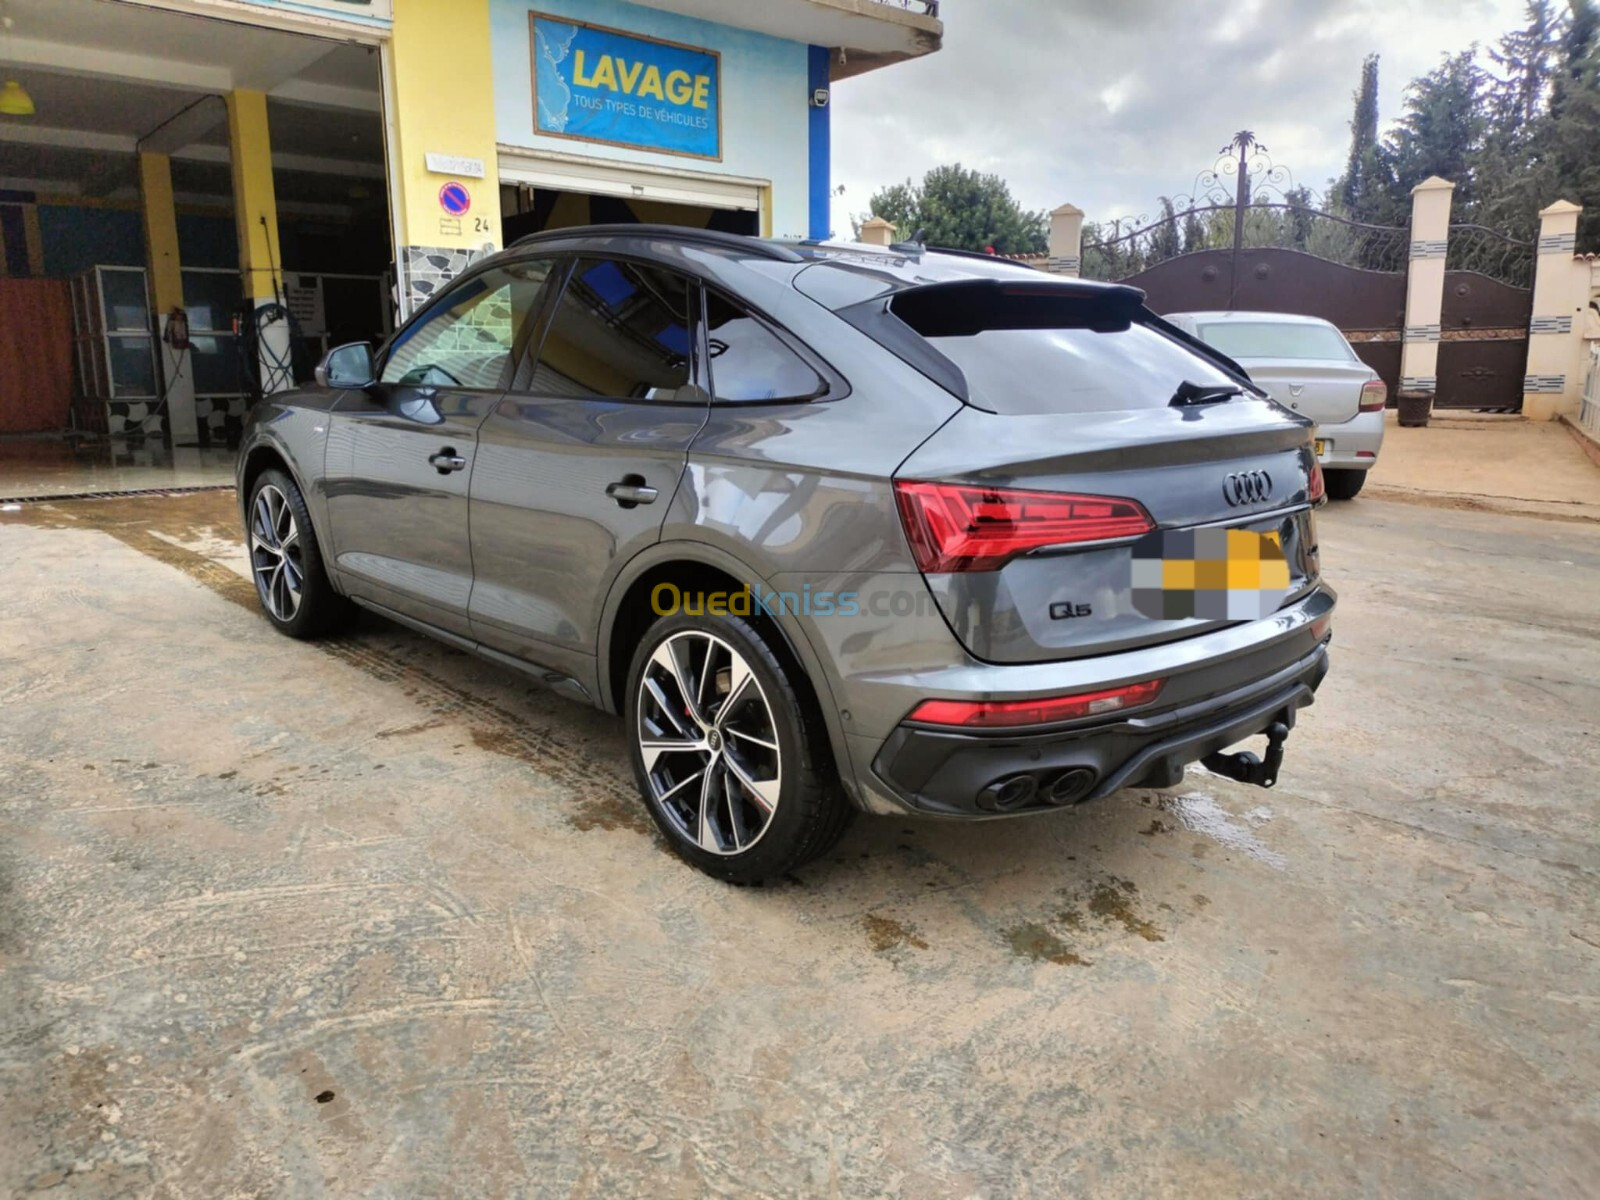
{"x": 221, "y": 419}
{"x": 424, "y": 270}
{"x": 135, "y": 418}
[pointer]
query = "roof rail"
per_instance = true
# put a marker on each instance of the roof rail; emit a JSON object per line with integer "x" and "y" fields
{"x": 674, "y": 233}
{"x": 968, "y": 253}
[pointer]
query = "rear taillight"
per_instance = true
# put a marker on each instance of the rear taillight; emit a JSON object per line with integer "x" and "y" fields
{"x": 1318, "y": 487}
{"x": 955, "y": 527}
{"x": 1003, "y": 714}
{"x": 1374, "y": 395}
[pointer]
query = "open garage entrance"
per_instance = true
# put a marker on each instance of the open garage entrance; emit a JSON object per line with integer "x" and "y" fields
{"x": 556, "y": 191}
{"x": 193, "y": 211}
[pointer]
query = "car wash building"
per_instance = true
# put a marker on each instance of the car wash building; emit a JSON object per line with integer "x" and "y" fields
{"x": 199, "y": 197}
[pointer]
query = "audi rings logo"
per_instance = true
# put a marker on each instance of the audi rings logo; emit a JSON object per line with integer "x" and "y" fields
{"x": 1247, "y": 487}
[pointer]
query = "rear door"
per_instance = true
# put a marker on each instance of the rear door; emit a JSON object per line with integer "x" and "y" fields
{"x": 401, "y": 455}
{"x": 1088, "y": 441}
{"x": 578, "y": 464}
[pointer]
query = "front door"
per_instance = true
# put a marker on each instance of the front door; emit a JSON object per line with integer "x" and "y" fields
{"x": 578, "y": 465}
{"x": 401, "y": 455}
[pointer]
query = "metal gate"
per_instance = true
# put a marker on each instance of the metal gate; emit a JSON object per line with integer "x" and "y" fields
{"x": 1368, "y": 306}
{"x": 1252, "y": 253}
{"x": 1483, "y": 328}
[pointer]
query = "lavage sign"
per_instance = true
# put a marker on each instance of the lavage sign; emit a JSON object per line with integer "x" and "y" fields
{"x": 603, "y": 85}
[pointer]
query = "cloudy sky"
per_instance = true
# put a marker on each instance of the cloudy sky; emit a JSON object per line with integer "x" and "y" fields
{"x": 1110, "y": 104}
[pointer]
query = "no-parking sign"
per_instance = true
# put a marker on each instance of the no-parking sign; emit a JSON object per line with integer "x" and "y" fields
{"x": 454, "y": 198}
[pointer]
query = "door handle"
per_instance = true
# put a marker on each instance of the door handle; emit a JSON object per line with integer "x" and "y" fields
{"x": 631, "y": 491}
{"x": 447, "y": 460}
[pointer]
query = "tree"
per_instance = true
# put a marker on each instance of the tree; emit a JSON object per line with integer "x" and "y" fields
{"x": 1526, "y": 61}
{"x": 1366, "y": 190}
{"x": 961, "y": 209}
{"x": 1297, "y": 221}
{"x": 1165, "y": 241}
{"x": 1441, "y": 132}
{"x": 1543, "y": 111}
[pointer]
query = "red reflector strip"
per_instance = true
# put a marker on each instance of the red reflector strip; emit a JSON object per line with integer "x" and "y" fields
{"x": 955, "y": 527}
{"x": 1366, "y": 454}
{"x": 1003, "y": 714}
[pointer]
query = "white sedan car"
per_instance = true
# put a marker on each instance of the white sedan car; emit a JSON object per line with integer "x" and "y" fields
{"x": 1306, "y": 365}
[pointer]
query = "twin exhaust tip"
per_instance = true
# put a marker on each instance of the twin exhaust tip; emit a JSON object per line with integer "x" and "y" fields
{"x": 1019, "y": 791}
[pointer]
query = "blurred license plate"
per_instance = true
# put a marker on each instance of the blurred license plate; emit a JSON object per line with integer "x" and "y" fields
{"x": 1321, "y": 445}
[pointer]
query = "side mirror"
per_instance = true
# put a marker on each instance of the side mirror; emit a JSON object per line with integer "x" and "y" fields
{"x": 348, "y": 366}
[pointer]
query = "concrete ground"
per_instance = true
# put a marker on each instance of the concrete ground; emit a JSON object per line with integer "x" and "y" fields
{"x": 373, "y": 918}
{"x": 1490, "y": 464}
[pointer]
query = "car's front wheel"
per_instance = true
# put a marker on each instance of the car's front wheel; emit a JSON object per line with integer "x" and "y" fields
{"x": 286, "y": 561}
{"x": 730, "y": 756}
{"x": 1343, "y": 485}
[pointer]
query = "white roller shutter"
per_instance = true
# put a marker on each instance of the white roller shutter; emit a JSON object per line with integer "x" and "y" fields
{"x": 597, "y": 177}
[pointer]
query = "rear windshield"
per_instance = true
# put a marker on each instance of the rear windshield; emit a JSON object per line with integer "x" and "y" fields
{"x": 1272, "y": 339}
{"x": 1030, "y": 371}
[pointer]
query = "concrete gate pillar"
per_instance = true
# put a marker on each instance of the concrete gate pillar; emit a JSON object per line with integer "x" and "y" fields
{"x": 875, "y": 231}
{"x": 1430, "y": 237}
{"x": 1066, "y": 240}
{"x": 1554, "y": 382}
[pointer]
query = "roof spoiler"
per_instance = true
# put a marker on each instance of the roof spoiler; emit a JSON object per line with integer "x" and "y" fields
{"x": 962, "y": 307}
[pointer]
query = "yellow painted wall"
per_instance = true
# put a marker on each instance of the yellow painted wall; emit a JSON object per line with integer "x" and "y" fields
{"x": 443, "y": 103}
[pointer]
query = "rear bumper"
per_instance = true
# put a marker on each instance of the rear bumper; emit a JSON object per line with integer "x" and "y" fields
{"x": 949, "y": 774}
{"x": 1352, "y": 444}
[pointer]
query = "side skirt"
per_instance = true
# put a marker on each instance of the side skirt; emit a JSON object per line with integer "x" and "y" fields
{"x": 562, "y": 685}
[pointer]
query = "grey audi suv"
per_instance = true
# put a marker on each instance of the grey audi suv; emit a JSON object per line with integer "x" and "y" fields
{"x": 832, "y": 527}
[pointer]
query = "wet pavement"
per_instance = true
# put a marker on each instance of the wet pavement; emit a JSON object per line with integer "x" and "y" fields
{"x": 47, "y": 465}
{"x": 370, "y": 917}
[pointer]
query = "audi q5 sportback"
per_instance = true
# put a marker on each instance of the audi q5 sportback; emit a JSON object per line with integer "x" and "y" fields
{"x": 832, "y": 527}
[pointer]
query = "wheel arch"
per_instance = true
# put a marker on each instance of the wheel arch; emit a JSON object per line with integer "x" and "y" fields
{"x": 265, "y": 454}
{"x": 627, "y": 615}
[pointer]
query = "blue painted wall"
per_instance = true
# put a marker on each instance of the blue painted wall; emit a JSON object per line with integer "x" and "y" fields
{"x": 821, "y": 191}
{"x": 75, "y": 239}
{"x": 766, "y": 122}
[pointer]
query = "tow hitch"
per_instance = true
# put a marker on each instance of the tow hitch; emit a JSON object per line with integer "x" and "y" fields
{"x": 1245, "y": 766}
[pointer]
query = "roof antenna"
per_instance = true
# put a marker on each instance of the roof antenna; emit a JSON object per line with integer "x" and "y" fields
{"x": 916, "y": 245}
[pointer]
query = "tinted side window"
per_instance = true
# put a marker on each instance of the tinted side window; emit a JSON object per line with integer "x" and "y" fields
{"x": 466, "y": 339}
{"x": 621, "y": 330}
{"x": 749, "y": 361}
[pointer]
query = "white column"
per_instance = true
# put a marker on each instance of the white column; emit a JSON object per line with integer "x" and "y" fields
{"x": 1554, "y": 382}
{"x": 1430, "y": 235}
{"x": 1066, "y": 240}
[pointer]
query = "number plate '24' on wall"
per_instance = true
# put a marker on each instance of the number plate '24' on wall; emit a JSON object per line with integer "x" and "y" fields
{"x": 602, "y": 85}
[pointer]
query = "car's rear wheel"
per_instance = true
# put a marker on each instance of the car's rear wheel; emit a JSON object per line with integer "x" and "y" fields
{"x": 286, "y": 561}
{"x": 1343, "y": 485}
{"x": 731, "y": 759}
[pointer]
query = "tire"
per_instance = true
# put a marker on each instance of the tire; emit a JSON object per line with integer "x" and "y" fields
{"x": 1343, "y": 485}
{"x": 739, "y": 779}
{"x": 286, "y": 561}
